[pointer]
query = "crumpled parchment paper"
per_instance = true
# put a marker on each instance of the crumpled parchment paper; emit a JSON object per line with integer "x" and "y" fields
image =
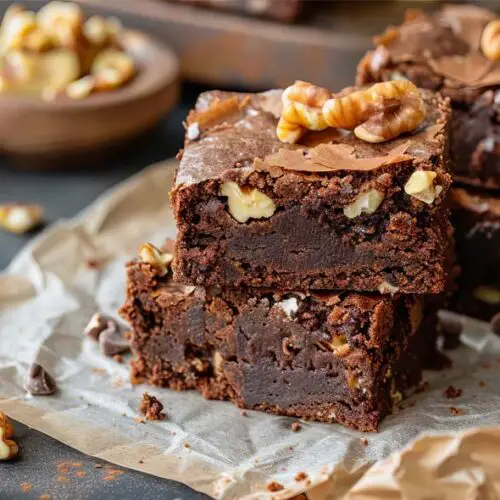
{"x": 52, "y": 288}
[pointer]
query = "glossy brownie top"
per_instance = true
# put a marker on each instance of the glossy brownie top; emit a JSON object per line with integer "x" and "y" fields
{"x": 446, "y": 45}
{"x": 238, "y": 131}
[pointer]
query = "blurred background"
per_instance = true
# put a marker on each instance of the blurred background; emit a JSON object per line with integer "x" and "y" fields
{"x": 61, "y": 153}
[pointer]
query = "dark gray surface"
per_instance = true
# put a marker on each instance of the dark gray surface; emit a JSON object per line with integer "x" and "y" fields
{"x": 63, "y": 194}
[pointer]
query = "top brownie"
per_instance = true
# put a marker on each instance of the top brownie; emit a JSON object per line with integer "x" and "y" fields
{"x": 454, "y": 51}
{"x": 333, "y": 212}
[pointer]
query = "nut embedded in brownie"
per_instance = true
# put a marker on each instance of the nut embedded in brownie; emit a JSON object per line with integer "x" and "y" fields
{"x": 456, "y": 52}
{"x": 339, "y": 356}
{"x": 272, "y": 193}
{"x": 476, "y": 217}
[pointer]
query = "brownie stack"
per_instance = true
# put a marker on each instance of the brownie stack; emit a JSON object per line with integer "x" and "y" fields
{"x": 457, "y": 52}
{"x": 305, "y": 273}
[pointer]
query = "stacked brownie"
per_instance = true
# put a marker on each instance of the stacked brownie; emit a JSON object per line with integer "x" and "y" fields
{"x": 457, "y": 52}
{"x": 307, "y": 259}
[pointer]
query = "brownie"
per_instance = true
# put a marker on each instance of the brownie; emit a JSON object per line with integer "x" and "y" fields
{"x": 279, "y": 10}
{"x": 328, "y": 356}
{"x": 442, "y": 52}
{"x": 308, "y": 220}
{"x": 476, "y": 217}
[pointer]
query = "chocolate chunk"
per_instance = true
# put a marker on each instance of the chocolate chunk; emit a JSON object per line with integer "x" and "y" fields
{"x": 96, "y": 325}
{"x": 38, "y": 381}
{"x": 495, "y": 323}
{"x": 151, "y": 407}
{"x": 112, "y": 341}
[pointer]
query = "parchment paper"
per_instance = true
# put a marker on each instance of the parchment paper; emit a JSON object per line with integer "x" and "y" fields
{"x": 47, "y": 296}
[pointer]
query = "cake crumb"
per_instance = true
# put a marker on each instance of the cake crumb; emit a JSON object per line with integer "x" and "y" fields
{"x": 151, "y": 407}
{"x": 141, "y": 461}
{"x": 452, "y": 392}
{"x": 456, "y": 412}
{"x": 94, "y": 264}
{"x": 482, "y": 383}
{"x": 26, "y": 487}
{"x": 118, "y": 358}
{"x": 296, "y": 427}
{"x": 364, "y": 441}
{"x": 187, "y": 445}
{"x": 423, "y": 386}
{"x": 300, "y": 476}
{"x": 244, "y": 413}
{"x": 274, "y": 486}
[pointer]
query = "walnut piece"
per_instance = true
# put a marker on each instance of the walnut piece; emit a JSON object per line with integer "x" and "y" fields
{"x": 245, "y": 203}
{"x": 17, "y": 24}
{"x": 112, "y": 69}
{"x": 379, "y": 113}
{"x": 99, "y": 30}
{"x": 19, "y": 218}
{"x": 161, "y": 261}
{"x": 488, "y": 294}
{"x": 490, "y": 40}
{"x": 81, "y": 88}
{"x": 8, "y": 448}
{"x": 421, "y": 186}
{"x": 387, "y": 288}
{"x": 63, "y": 22}
{"x": 364, "y": 203}
{"x": 302, "y": 110}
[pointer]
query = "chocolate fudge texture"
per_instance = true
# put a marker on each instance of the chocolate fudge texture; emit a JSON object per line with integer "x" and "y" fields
{"x": 332, "y": 212}
{"x": 443, "y": 52}
{"x": 476, "y": 217}
{"x": 334, "y": 357}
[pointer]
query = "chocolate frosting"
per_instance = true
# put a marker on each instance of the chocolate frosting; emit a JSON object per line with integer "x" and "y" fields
{"x": 448, "y": 42}
{"x": 239, "y": 131}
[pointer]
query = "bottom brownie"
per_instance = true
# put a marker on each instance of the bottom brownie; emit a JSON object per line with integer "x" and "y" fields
{"x": 333, "y": 357}
{"x": 476, "y": 217}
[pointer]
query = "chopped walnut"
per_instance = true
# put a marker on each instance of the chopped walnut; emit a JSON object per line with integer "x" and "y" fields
{"x": 379, "y": 113}
{"x": 19, "y": 218}
{"x": 8, "y": 448}
{"x": 490, "y": 40}
{"x": 244, "y": 203}
{"x": 421, "y": 186}
{"x": 364, "y": 203}
{"x": 161, "y": 261}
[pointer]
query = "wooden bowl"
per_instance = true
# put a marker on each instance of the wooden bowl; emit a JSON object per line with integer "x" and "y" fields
{"x": 33, "y": 128}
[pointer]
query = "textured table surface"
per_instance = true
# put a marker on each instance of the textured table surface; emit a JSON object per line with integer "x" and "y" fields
{"x": 45, "y": 466}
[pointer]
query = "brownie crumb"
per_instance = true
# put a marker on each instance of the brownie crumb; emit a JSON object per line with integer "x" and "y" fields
{"x": 296, "y": 427}
{"x": 482, "y": 383}
{"x": 452, "y": 392}
{"x": 98, "y": 466}
{"x": 118, "y": 358}
{"x": 187, "y": 445}
{"x": 141, "y": 461}
{"x": 450, "y": 325}
{"x": 94, "y": 264}
{"x": 300, "y": 476}
{"x": 151, "y": 407}
{"x": 244, "y": 413}
{"x": 364, "y": 441}
{"x": 179, "y": 155}
{"x": 485, "y": 366}
{"x": 274, "y": 486}
{"x": 456, "y": 412}
{"x": 495, "y": 324}
{"x": 423, "y": 386}
{"x": 45, "y": 496}
{"x": 140, "y": 420}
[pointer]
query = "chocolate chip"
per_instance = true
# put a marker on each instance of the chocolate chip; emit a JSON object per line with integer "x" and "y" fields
{"x": 96, "y": 326}
{"x": 495, "y": 324}
{"x": 38, "y": 381}
{"x": 112, "y": 341}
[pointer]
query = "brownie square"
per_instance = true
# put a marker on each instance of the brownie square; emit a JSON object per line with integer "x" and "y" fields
{"x": 327, "y": 356}
{"x": 443, "y": 52}
{"x": 329, "y": 213}
{"x": 476, "y": 217}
